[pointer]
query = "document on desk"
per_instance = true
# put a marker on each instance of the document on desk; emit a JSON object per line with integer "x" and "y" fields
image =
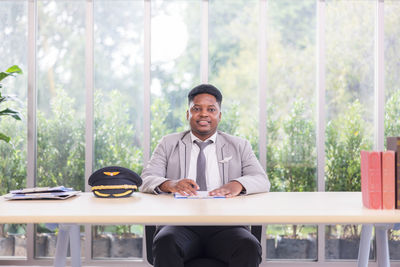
{"x": 200, "y": 195}
{"x": 58, "y": 192}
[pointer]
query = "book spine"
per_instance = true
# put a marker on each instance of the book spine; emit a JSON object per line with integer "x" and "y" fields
{"x": 388, "y": 179}
{"x": 375, "y": 179}
{"x": 393, "y": 144}
{"x": 364, "y": 178}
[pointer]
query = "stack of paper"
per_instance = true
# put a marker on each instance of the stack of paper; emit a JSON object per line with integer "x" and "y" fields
{"x": 200, "y": 194}
{"x": 58, "y": 192}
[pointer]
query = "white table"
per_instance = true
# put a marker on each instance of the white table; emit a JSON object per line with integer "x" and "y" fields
{"x": 266, "y": 208}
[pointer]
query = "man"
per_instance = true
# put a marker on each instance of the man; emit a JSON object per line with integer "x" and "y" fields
{"x": 207, "y": 160}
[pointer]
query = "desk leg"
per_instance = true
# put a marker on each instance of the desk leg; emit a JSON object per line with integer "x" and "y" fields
{"x": 365, "y": 240}
{"x": 66, "y": 233}
{"x": 60, "y": 256}
{"x": 75, "y": 245}
{"x": 382, "y": 245}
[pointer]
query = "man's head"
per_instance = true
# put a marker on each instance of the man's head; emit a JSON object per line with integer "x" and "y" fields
{"x": 205, "y": 89}
{"x": 204, "y": 112}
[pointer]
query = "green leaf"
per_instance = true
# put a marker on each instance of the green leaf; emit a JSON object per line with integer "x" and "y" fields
{"x": 5, "y": 138}
{"x": 3, "y": 75}
{"x": 10, "y": 112}
{"x": 14, "y": 69}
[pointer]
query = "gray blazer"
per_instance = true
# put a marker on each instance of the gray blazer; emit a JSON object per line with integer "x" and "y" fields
{"x": 236, "y": 161}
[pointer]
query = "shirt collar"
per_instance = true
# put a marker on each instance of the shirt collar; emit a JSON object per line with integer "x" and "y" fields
{"x": 212, "y": 137}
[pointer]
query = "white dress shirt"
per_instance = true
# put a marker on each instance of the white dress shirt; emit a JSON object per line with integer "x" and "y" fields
{"x": 212, "y": 172}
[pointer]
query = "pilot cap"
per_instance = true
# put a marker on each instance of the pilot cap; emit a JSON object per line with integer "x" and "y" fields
{"x": 114, "y": 182}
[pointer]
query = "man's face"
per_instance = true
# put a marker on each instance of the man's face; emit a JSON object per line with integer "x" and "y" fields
{"x": 204, "y": 115}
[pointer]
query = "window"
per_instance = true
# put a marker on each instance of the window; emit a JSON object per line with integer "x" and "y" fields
{"x": 265, "y": 56}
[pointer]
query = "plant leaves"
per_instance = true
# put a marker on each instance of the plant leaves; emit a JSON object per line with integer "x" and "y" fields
{"x": 10, "y": 112}
{"x": 14, "y": 69}
{"x": 5, "y": 138}
{"x": 10, "y": 71}
{"x": 3, "y": 75}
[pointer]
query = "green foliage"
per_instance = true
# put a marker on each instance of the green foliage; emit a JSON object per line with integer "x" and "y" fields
{"x": 13, "y": 164}
{"x": 126, "y": 230}
{"x": 160, "y": 110}
{"x": 11, "y": 71}
{"x": 295, "y": 167}
{"x": 117, "y": 142}
{"x": 392, "y": 115}
{"x": 230, "y": 119}
{"x": 345, "y": 137}
{"x": 61, "y": 145}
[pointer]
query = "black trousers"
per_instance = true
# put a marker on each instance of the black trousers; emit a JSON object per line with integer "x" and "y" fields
{"x": 233, "y": 245}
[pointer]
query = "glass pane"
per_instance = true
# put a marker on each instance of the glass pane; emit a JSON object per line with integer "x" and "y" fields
{"x": 291, "y": 242}
{"x": 349, "y": 90}
{"x": 118, "y": 103}
{"x": 349, "y": 105}
{"x": 394, "y": 244}
{"x": 60, "y": 98}
{"x": 343, "y": 241}
{"x": 13, "y": 50}
{"x": 117, "y": 241}
{"x": 233, "y": 64}
{"x": 291, "y": 120}
{"x": 46, "y": 240}
{"x": 175, "y": 63}
{"x": 118, "y": 108}
{"x": 392, "y": 58}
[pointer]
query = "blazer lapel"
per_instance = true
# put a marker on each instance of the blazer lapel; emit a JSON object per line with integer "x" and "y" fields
{"x": 185, "y": 147}
{"x": 222, "y": 152}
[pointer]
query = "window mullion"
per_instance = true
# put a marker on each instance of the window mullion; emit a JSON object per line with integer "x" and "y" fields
{"x": 89, "y": 131}
{"x": 321, "y": 85}
{"x": 32, "y": 106}
{"x": 204, "y": 42}
{"x": 379, "y": 77}
{"x": 147, "y": 81}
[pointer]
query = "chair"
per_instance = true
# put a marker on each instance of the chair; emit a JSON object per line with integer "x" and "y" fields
{"x": 198, "y": 262}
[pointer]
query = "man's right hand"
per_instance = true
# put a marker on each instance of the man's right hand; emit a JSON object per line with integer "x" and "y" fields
{"x": 186, "y": 187}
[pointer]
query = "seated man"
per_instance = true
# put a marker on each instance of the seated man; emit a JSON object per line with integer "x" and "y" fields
{"x": 207, "y": 160}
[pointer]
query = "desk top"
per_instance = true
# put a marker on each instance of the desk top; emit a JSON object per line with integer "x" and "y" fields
{"x": 141, "y": 208}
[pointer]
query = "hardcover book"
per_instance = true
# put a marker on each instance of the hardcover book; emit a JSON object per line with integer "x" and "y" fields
{"x": 393, "y": 143}
{"x": 371, "y": 179}
{"x": 375, "y": 179}
{"x": 388, "y": 179}
{"x": 364, "y": 178}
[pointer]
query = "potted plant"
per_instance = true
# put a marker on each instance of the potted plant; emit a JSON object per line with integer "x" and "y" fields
{"x": 126, "y": 241}
{"x": 4, "y": 98}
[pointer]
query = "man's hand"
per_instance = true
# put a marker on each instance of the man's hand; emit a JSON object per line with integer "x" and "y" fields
{"x": 186, "y": 187}
{"x": 230, "y": 189}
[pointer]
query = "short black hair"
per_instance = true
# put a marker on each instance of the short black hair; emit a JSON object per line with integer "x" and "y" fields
{"x": 205, "y": 89}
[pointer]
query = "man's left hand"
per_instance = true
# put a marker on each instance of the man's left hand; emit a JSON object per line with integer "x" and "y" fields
{"x": 230, "y": 189}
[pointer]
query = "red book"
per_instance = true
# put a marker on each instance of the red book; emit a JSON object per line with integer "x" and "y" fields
{"x": 364, "y": 178}
{"x": 375, "y": 179}
{"x": 388, "y": 180}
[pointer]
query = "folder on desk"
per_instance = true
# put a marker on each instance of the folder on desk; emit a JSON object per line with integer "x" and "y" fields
{"x": 58, "y": 192}
{"x": 200, "y": 195}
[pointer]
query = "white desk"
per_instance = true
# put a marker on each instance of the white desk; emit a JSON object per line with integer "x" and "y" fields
{"x": 267, "y": 208}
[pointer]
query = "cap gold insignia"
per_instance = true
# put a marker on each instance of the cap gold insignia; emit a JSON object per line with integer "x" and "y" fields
{"x": 111, "y": 173}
